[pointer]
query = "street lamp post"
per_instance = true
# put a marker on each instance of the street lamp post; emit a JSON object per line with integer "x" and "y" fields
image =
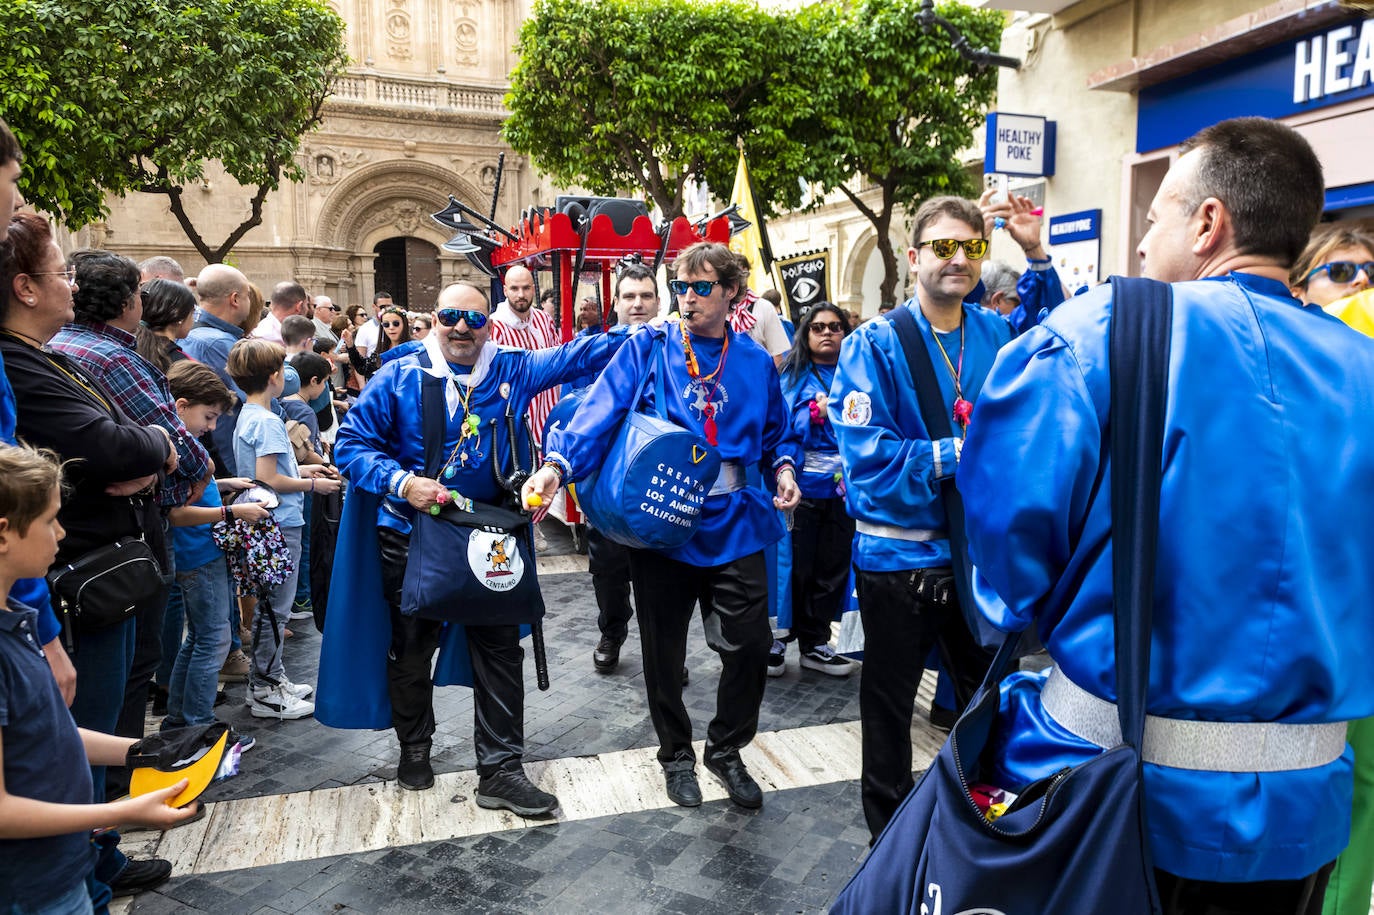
{"x": 982, "y": 57}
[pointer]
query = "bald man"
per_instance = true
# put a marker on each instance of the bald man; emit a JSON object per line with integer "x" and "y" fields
{"x": 224, "y": 303}
{"x": 516, "y": 322}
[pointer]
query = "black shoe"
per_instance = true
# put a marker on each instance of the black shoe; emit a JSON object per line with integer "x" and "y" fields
{"x": 739, "y": 784}
{"x": 414, "y": 771}
{"x": 606, "y": 657}
{"x": 138, "y": 876}
{"x": 682, "y": 786}
{"x": 514, "y": 791}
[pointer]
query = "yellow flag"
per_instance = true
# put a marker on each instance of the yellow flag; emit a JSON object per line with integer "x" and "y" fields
{"x": 1356, "y": 310}
{"x": 750, "y": 241}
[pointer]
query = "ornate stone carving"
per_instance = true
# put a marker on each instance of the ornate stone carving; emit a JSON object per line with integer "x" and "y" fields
{"x": 406, "y": 217}
{"x": 466, "y": 32}
{"x": 327, "y": 165}
{"x": 398, "y": 30}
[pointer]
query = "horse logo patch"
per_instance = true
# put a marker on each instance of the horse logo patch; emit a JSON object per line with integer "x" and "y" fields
{"x": 494, "y": 557}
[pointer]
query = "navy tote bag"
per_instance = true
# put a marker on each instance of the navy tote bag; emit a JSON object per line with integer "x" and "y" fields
{"x": 1073, "y": 843}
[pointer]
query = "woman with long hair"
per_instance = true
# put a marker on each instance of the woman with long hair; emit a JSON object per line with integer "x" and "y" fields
{"x": 1336, "y": 263}
{"x": 822, "y": 531}
{"x": 169, "y": 311}
{"x": 395, "y": 330}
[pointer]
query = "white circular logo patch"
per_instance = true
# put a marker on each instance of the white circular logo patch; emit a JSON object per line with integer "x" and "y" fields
{"x": 858, "y": 409}
{"x": 495, "y": 559}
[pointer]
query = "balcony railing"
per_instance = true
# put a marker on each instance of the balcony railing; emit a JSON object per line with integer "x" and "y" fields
{"x": 430, "y": 94}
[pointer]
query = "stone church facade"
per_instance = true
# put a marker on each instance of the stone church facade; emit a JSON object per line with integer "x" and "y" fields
{"x": 415, "y": 118}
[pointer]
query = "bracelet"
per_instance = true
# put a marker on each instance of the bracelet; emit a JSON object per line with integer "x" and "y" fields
{"x": 405, "y": 486}
{"x": 555, "y": 468}
{"x": 312, "y": 484}
{"x": 787, "y": 466}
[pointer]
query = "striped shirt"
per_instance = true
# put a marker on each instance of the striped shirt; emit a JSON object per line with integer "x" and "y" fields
{"x": 536, "y": 331}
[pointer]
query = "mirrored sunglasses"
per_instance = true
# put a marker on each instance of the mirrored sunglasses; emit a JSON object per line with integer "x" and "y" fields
{"x": 1344, "y": 271}
{"x": 451, "y": 316}
{"x": 700, "y": 287}
{"x": 944, "y": 248}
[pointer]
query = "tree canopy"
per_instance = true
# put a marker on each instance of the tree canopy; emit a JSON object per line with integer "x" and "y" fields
{"x": 113, "y": 96}
{"x": 610, "y": 94}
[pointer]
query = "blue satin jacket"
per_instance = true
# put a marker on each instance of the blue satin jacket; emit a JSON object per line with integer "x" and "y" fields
{"x": 817, "y": 440}
{"x": 1264, "y": 580}
{"x": 751, "y": 420}
{"x": 892, "y": 469}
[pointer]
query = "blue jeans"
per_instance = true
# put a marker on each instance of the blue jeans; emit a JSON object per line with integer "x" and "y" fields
{"x": 102, "y": 660}
{"x": 195, "y": 673}
{"x": 74, "y": 900}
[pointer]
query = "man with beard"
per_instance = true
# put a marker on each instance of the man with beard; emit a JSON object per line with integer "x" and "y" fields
{"x": 893, "y": 468}
{"x": 381, "y": 450}
{"x": 516, "y": 322}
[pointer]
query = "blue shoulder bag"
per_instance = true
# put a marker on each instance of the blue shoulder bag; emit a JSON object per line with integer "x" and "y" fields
{"x": 1074, "y": 843}
{"x": 650, "y": 490}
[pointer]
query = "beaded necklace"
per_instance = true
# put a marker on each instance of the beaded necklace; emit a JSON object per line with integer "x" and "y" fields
{"x": 962, "y": 408}
{"x": 468, "y": 438}
{"x": 708, "y": 411}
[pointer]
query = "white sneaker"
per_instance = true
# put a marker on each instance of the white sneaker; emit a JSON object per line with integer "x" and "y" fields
{"x": 299, "y": 690}
{"x": 541, "y": 543}
{"x": 278, "y": 703}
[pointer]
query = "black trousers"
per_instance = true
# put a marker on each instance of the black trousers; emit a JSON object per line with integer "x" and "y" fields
{"x": 498, "y": 692}
{"x": 900, "y": 628}
{"x": 734, "y": 612}
{"x": 1180, "y": 896}
{"x": 609, "y": 563}
{"x": 822, "y": 540}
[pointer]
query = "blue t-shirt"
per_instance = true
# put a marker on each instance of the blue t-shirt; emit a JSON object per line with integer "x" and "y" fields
{"x": 44, "y": 760}
{"x": 260, "y": 433}
{"x": 194, "y": 546}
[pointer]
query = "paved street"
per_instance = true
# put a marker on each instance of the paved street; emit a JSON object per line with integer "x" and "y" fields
{"x": 316, "y": 823}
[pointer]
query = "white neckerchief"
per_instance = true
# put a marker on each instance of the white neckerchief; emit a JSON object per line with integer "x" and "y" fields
{"x": 439, "y": 368}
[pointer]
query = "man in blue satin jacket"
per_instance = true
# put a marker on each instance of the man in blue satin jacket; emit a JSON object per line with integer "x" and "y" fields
{"x": 893, "y": 472}
{"x": 1261, "y": 628}
{"x": 380, "y": 450}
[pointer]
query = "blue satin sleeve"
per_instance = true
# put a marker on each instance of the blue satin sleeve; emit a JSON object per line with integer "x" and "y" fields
{"x": 579, "y": 357}
{"x": 581, "y": 445}
{"x": 781, "y": 444}
{"x": 1034, "y": 415}
{"x": 889, "y": 459}
{"x": 367, "y": 436}
{"x": 1040, "y": 291}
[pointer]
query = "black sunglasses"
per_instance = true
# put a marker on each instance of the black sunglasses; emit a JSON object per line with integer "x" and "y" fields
{"x": 1343, "y": 271}
{"x": 820, "y": 327}
{"x": 944, "y": 248}
{"x": 700, "y": 287}
{"x": 451, "y": 316}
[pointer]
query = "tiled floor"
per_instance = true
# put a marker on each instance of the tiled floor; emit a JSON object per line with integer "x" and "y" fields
{"x": 273, "y": 839}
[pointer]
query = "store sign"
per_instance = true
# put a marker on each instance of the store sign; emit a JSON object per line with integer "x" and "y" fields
{"x": 1019, "y": 144}
{"x": 1312, "y": 71}
{"x": 1076, "y": 247}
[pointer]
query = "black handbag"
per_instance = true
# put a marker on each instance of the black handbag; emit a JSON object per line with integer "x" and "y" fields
{"x": 1074, "y": 843}
{"x": 103, "y": 587}
{"x": 473, "y": 565}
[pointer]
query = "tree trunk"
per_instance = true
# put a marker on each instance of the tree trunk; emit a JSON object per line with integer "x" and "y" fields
{"x": 882, "y": 224}
{"x": 164, "y": 185}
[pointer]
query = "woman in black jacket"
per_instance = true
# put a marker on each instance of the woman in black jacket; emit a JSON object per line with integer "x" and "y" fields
{"x": 115, "y": 464}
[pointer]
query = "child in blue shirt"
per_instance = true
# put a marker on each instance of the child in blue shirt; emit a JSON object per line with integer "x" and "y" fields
{"x": 262, "y": 444}
{"x": 46, "y": 814}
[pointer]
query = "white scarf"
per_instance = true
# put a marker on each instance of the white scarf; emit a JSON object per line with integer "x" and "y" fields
{"x": 439, "y": 368}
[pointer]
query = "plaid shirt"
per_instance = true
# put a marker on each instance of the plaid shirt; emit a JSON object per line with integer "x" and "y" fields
{"x": 141, "y": 391}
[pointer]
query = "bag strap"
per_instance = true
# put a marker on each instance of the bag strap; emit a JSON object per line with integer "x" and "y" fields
{"x": 433, "y": 419}
{"x": 1141, "y": 322}
{"x": 935, "y": 413}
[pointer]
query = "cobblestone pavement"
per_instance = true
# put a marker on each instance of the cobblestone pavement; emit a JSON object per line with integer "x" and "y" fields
{"x": 792, "y": 856}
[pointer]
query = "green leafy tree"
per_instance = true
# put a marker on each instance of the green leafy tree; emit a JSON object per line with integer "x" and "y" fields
{"x": 647, "y": 94}
{"x": 113, "y": 96}
{"x": 896, "y": 107}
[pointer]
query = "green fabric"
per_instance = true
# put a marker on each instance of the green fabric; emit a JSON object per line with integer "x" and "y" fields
{"x": 1348, "y": 893}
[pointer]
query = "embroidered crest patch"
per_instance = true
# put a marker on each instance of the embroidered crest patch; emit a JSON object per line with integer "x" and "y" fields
{"x": 858, "y": 408}
{"x": 495, "y": 559}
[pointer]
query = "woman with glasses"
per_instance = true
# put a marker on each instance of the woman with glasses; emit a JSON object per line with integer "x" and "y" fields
{"x": 822, "y": 531}
{"x": 420, "y": 326}
{"x": 1336, "y": 264}
{"x": 395, "y": 331}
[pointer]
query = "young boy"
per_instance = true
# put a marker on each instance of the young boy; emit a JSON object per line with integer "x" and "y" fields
{"x": 260, "y": 442}
{"x": 202, "y": 578}
{"x": 45, "y": 779}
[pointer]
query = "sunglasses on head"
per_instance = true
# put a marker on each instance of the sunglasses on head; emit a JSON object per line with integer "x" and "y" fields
{"x": 944, "y": 248}
{"x": 700, "y": 287}
{"x": 449, "y": 317}
{"x": 1344, "y": 271}
{"x": 820, "y": 327}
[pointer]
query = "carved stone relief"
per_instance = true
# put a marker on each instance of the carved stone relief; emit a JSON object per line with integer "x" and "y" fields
{"x": 398, "y": 30}
{"x": 327, "y": 165}
{"x": 466, "y": 32}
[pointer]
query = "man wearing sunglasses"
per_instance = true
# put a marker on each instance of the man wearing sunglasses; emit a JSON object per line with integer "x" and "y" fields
{"x": 894, "y": 468}
{"x": 1261, "y": 628}
{"x": 380, "y": 449}
{"x": 722, "y": 383}
{"x": 325, "y": 313}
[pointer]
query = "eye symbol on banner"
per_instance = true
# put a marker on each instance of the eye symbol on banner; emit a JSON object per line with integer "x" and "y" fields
{"x": 698, "y": 454}
{"x": 805, "y": 289}
{"x": 495, "y": 559}
{"x": 505, "y": 390}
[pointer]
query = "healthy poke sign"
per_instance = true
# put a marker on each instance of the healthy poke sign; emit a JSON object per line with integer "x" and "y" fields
{"x": 1019, "y": 144}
